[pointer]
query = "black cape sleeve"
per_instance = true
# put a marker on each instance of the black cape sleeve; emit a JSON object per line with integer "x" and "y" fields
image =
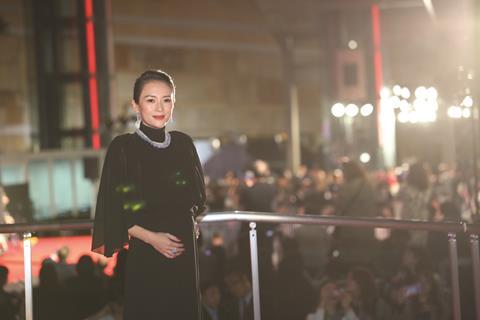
{"x": 199, "y": 195}
{"x": 112, "y": 215}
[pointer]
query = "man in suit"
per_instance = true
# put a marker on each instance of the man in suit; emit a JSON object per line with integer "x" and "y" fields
{"x": 241, "y": 306}
{"x": 211, "y": 299}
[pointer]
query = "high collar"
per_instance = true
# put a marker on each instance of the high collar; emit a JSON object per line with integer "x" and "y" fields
{"x": 157, "y": 135}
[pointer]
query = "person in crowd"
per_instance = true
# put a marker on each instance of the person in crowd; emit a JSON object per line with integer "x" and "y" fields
{"x": 328, "y": 303}
{"x": 65, "y": 270}
{"x": 360, "y": 299}
{"x": 5, "y": 218}
{"x": 414, "y": 198}
{"x": 211, "y": 302}
{"x": 356, "y": 198}
{"x": 49, "y": 298}
{"x": 240, "y": 306}
{"x": 295, "y": 295}
{"x": 113, "y": 310}
{"x": 420, "y": 299}
{"x": 9, "y": 303}
{"x": 85, "y": 291}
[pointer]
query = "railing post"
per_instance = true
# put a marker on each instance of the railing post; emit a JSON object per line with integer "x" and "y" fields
{"x": 476, "y": 271}
{"x": 255, "y": 277}
{"x": 27, "y": 267}
{"x": 452, "y": 239}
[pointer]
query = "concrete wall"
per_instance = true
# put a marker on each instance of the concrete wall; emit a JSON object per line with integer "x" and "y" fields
{"x": 15, "y": 104}
{"x": 226, "y": 65}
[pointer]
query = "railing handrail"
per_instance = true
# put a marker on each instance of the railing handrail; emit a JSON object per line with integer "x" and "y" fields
{"x": 254, "y": 217}
{"x": 265, "y": 217}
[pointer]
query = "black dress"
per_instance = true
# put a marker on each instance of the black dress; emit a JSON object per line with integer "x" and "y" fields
{"x": 156, "y": 189}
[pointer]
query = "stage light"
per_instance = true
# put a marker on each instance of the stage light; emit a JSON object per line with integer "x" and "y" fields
{"x": 454, "y": 112}
{"x": 352, "y": 44}
{"x": 242, "y": 139}
{"x": 467, "y": 102}
{"x": 397, "y": 90}
{"x": 404, "y": 105}
{"x": 402, "y": 117}
{"x": 338, "y": 110}
{"x": 365, "y": 157}
{"x": 366, "y": 110}
{"x": 385, "y": 93}
{"x": 421, "y": 92}
{"x": 351, "y": 110}
{"x": 413, "y": 117}
{"x": 466, "y": 113}
{"x": 432, "y": 93}
{"x": 216, "y": 143}
{"x": 405, "y": 93}
{"x": 279, "y": 138}
{"x": 394, "y": 102}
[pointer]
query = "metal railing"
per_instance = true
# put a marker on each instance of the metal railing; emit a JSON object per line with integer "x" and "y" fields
{"x": 253, "y": 218}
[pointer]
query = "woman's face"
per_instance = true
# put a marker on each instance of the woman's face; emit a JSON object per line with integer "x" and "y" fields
{"x": 155, "y": 104}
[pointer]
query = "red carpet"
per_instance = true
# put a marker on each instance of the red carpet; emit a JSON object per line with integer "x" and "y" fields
{"x": 46, "y": 247}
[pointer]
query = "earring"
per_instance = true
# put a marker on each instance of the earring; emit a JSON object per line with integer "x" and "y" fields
{"x": 139, "y": 120}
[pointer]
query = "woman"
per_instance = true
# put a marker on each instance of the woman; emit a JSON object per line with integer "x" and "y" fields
{"x": 327, "y": 303}
{"x": 152, "y": 183}
{"x": 356, "y": 198}
{"x": 413, "y": 200}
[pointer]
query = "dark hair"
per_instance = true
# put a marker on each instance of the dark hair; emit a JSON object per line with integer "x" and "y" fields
{"x": 85, "y": 266}
{"x": 48, "y": 276}
{"x": 418, "y": 176}
{"x": 352, "y": 170}
{"x": 3, "y": 275}
{"x": 368, "y": 291}
{"x": 148, "y": 76}
{"x": 207, "y": 285}
{"x": 451, "y": 211}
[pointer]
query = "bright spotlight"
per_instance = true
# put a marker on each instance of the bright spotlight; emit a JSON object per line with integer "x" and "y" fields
{"x": 397, "y": 90}
{"x": 413, "y": 117}
{"x": 404, "y": 105}
{"x": 216, "y": 143}
{"x": 405, "y": 93}
{"x": 278, "y": 138}
{"x": 352, "y": 44}
{"x": 420, "y": 92}
{"x": 432, "y": 93}
{"x": 394, "y": 102}
{"x": 385, "y": 93}
{"x": 351, "y": 110}
{"x": 454, "y": 112}
{"x": 466, "y": 113}
{"x": 365, "y": 157}
{"x": 338, "y": 110}
{"x": 402, "y": 117}
{"x": 243, "y": 139}
{"x": 467, "y": 102}
{"x": 366, "y": 110}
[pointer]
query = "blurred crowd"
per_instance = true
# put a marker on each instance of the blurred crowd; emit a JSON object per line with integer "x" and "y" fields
{"x": 307, "y": 272}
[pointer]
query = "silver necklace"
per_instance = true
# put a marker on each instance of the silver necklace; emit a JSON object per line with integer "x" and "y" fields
{"x": 159, "y": 145}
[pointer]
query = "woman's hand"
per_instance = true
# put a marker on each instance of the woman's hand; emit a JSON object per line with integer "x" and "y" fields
{"x": 167, "y": 244}
{"x": 161, "y": 241}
